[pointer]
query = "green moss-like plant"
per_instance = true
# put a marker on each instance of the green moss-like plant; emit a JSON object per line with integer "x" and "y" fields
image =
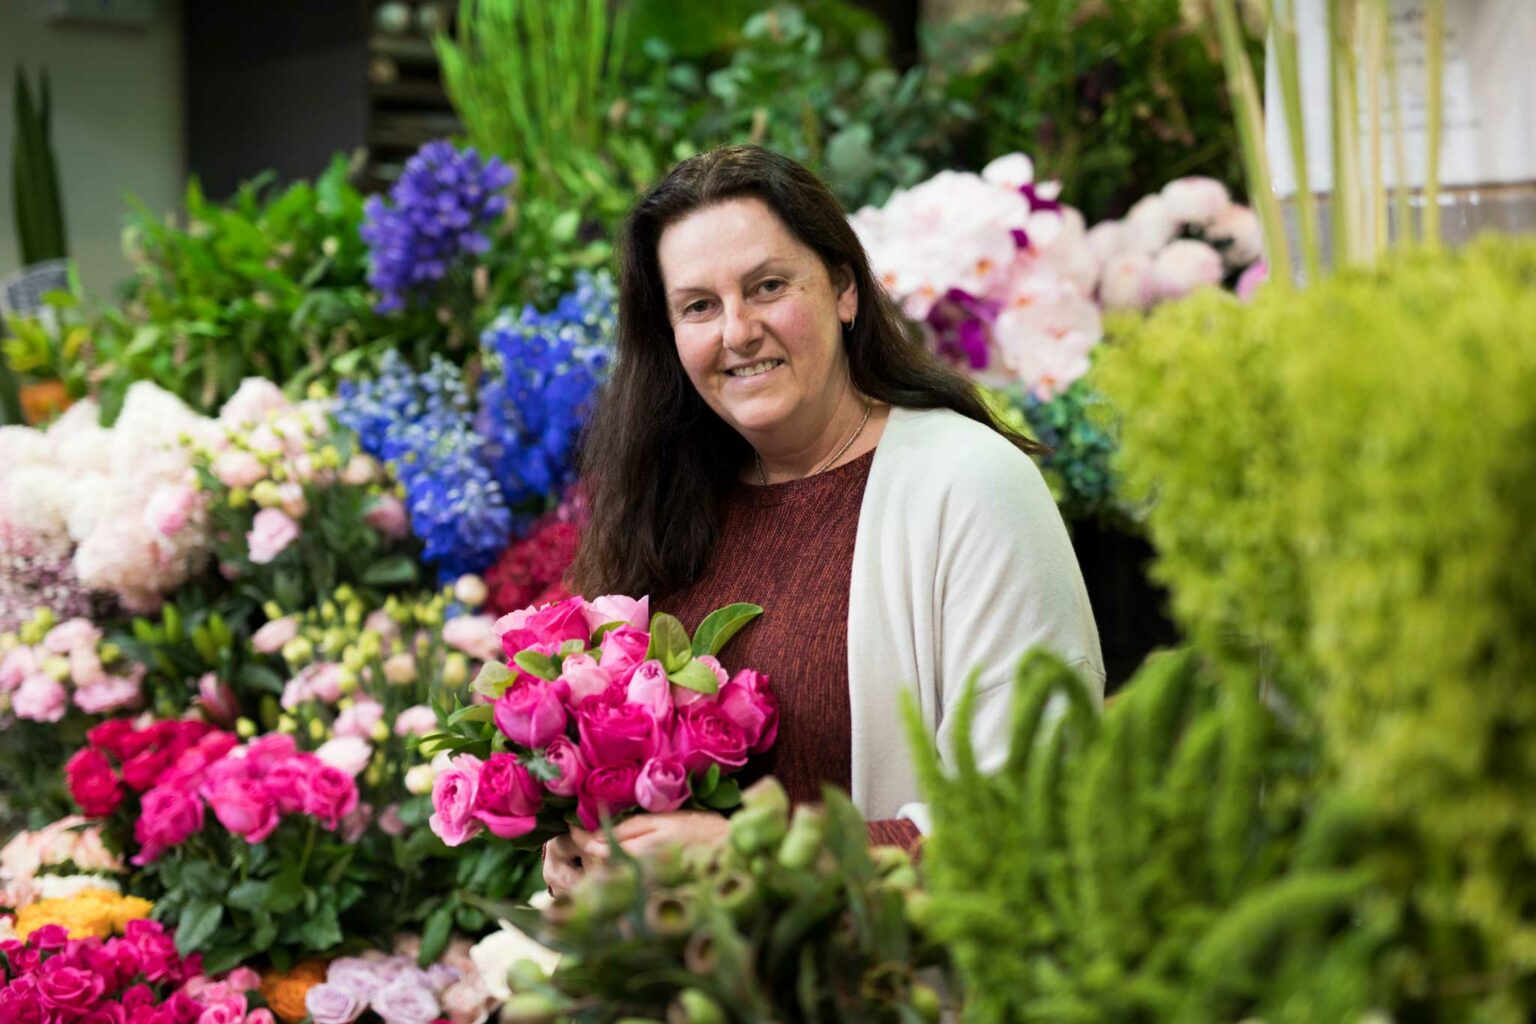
{"x": 1345, "y": 487}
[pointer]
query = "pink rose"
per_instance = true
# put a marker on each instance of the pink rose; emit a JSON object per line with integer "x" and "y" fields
{"x": 682, "y": 696}
{"x": 474, "y": 635}
{"x": 454, "y": 794}
{"x": 69, "y": 991}
{"x": 617, "y": 608}
{"x": 418, "y": 720}
{"x": 359, "y": 719}
{"x": 405, "y": 1002}
{"x": 662, "y": 785}
{"x": 235, "y": 468}
{"x": 143, "y": 769}
{"x": 582, "y": 674}
{"x": 217, "y": 699}
{"x": 242, "y": 979}
{"x": 107, "y": 694}
{"x": 532, "y": 712}
{"x": 613, "y": 732}
{"x": 390, "y": 822}
{"x": 71, "y": 635}
{"x": 387, "y": 515}
{"x": 271, "y": 532}
{"x": 332, "y": 796}
{"x": 260, "y": 1016}
{"x": 271, "y": 749}
{"x": 243, "y": 806}
{"x": 623, "y": 650}
{"x": 607, "y": 790}
{"x": 347, "y": 754}
{"x": 552, "y": 624}
{"x": 269, "y": 639}
{"x": 332, "y": 1004}
{"x": 705, "y": 735}
{"x": 93, "y": 783}
{"x": 40, "y": 698}
{"x": 226, "y": 1011}
{"x": 650, "y": 688}
{"x": 168, "y": 816}
{"x": 562, "y": 753}
{"x": 747, "y": 701}
{"x": 169, "y": 507}
{"x": 507, "y": 800}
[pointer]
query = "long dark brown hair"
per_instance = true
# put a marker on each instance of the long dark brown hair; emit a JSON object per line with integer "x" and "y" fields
{"x": 657, "y": 461}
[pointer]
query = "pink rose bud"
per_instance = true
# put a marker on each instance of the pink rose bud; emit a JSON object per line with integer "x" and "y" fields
{"x": 360, "y": 470}
{"x": 532, "y": 712}
{"x": 271, "y": 532}
{"x": 650, "y": 688}
{"x": 584, "y": 677}
{"x": 217, "y": 699}
{"x": 418, "y": 720}
{"x": 390, "y": 822}
{"x": 662, "y": 785}
{"x": 270, "y": 638}
{"x": 387, "y": 515}
{"x": 617, "y": 608}
{"x": 454, "y": 793}
{"x": 562, "y": 753}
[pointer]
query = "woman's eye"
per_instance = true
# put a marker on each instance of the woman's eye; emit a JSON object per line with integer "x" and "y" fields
{"x": 695, "y": 307}
{"x": 771, "y": 285}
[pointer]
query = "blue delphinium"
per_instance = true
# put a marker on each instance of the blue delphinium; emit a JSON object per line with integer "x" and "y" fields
{"x": 420, "y": 423}
{"x": 439, "y": 212}
{"x": 542, "y": 370}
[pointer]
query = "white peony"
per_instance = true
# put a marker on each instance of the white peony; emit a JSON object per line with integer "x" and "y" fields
{"x": 1196, "y": 200}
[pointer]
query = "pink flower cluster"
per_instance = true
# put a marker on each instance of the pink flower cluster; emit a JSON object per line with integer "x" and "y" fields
{"x": 996, "y": 269}
{"x": 136, "y": 979}
{"x": 250, "y": 789}
{"x": 68, "y": 841}
{"x": 397, "y": 990}
{"x": 44, "y": 679}
{"x": 1190, "y": 235}
{"x": 616, "y": 732}
{"x": 120, "y": 757}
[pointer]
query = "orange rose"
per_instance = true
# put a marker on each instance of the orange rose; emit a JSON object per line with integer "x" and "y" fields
{"x": 284, "y": 991}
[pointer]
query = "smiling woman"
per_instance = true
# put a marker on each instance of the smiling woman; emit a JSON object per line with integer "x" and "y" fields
{"x": 775, "y": 432}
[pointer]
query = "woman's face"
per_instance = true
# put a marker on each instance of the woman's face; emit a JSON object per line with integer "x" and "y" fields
{"x": 757, "y": 320}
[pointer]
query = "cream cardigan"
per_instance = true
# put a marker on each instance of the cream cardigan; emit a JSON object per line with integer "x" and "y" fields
{"x": 961, "y": 561}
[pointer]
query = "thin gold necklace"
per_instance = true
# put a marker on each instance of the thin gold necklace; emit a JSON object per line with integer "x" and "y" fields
{"x": 869, "y": 403}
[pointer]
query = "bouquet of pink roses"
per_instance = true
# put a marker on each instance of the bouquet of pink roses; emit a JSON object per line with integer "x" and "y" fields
{"x": 601, "y": 710}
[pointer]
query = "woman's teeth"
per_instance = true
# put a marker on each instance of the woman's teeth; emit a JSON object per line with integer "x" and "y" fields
{"x": 755, "y": 368}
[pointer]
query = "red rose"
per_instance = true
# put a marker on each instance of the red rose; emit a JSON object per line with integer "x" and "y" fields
{"x": 118, "y": 737}
{"x": 142, "y": 770}
{"x": 92, "y": 783}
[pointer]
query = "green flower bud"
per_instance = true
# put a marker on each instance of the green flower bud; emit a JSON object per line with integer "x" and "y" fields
{"x": 110, "y": 652}
{"x": 272, "y": 610}
{"x": 455, "y": 669}
{"x": 353, "y": 659}
{"x": 266, "y": 494}
{"x": 693, "y": 1006}
{"x": 45, "y": 619}
{"x": 766, "y": 792}
{"x": 671, "y": 913}
{"x": 334, "y": 641}
{"x": 285, "y": 723}
{"x": 368, "y": 642}
{"x": 666, "y": 867}
{"x": 918, "y": 909}
{"x": 609, "y": 892}
{"x": 239, "y": 497}
{"x": 57, "y": 666}
{"x": 31, "y": 633}
{"x": 298, "y": 652}
{"x": 346, "y": 680}
{"x": 9, "y": 642}
{"x": 804, "y": 840}
{"x": 316, "y": 392}
{"x": 888, "y": 859}
{"x": 328, "y": 612}
{"x": 755, "y": 829}
{"x": 736, "y": 893}
{"x": 926, "y": 1002}
{"x": 316, "y": 730}
{"x": 375, "y": 774}
{"x": 379, "y": 733}
{"x": 245, "y": 728}
{"x": 528, "y": 1008}
{"x": 352, "y": 615}
{"x": 525, "y": 975}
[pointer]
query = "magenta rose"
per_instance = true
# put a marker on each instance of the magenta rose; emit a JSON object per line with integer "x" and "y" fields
{"x": 106, "y": 1013}
{"x": 562, "y": 753}
{"x": 69, "y": 991}
{"x": 609, "y": 790}
{"x": 287, "y": 782}
{"x": 93, "y": 783}
{"x": 21, "y": 1005}
{"x": 168, "y": 816}
{"x": 613, "y": 731}
{"x": 747, "y": 701}
{"x": 532, "y": 712}
{"x": 662, "y": 785}
{"x": 650, "y": 689}
{"x": 387, "y": 515}
{"x": 332, "y": 795}
{"x": 118, "y": 737}
{"x": 705, "y": 735}
{"x": 551, "y": 624}
{"x": 243, "y": 806}
{"x": 508, "y": 799}
{"x": 622, "y": 652}
{"x": 454, "y": 794}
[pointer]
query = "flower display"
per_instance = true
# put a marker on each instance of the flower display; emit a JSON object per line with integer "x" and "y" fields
{"x": 528, "y": 571}
{"x": 394, "y": 989}
{"x": 90, "y": 912}
{"x": 66, "y": 666}
{"x": 602, "y": 711}
{"x": 33, "y": 864}
{"x": 438, "y": 213}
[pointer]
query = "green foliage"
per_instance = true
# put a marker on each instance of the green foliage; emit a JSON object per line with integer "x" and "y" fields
{"x": 271, "y": 285}
{"x": 1150, "y": 864}
{"x": 789, "y": 920}
{"x": 1344, "y": 495}
{"x": 814, "y": 84}
{"x": 55, "y": 345}
{"x": 35, "y": 196}
{"x": 1114, "y": 98}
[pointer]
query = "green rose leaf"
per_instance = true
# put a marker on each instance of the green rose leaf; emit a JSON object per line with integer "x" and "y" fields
{"x": 472, "y": 713}
{"x": 285, "y": 892}
{"x": 199, "y": 921}
{"x": 669, "y": 645}
{"x": 493, "y": 680}
{"x": 434, "y": 937}
{"x": 536, "y": 664}
{"x": 696, "y": 676}
{"x": 249, "y": 895}
{"x": 720, "y": 625}
{"x": 726, "y": 796}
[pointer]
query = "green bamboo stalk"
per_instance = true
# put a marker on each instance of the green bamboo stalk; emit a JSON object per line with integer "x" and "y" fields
{"x": 1373, "y": 31}
{"x": 1402, "y": 212}
{"x": 1348, "y": 233}
{"x": 1249, "y": 112}
{"x": 1287, "y": 66}
{"x": 1435, "y": 93}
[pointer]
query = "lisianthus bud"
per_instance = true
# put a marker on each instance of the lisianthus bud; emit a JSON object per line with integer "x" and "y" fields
{"x": 346, "y": 680}
{"x": 298, "y": 651}
{"x": 316, "y": 729}
{"x": 926, "y": 1002}
{"x": 470, "y": 590}
{"x": 379, "y": 732}
{"x": 455, "y": 669}
{"x": 755, "y": 829}
{"x": 110, "y": 653}
{"x": 804, "y": 839}
{"x": 266, "y": 494}
{"x": 245, "y": 728}
{"x": 57, "y": 666}
{"x": 400, "y": 669}
{"x": 419, "y": 778}
{"x": 286, "y": 723}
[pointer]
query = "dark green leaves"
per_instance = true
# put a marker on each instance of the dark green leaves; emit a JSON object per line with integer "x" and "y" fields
{"x": 720, "y": 625}
{"x": 199, "y": 921}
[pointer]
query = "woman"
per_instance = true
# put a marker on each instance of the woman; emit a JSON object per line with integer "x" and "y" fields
{"x": 774, "y": 433}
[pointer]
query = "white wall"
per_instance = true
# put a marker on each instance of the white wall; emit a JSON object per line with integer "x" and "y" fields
{"x": 117, "y": 126}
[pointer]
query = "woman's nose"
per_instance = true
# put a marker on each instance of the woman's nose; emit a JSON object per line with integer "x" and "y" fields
{"x": 739, "y": 328}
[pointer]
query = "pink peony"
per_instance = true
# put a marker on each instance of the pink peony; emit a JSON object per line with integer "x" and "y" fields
{"x": 348, "y": 754}
{"x": 532, "y": 712}
{"x": 617, "y": 608}
{"x": 612, "y": 732}
{"x": 747, "y": 701}
{"x": 387, "y": 515}
{"x": 236, "y": 468}
{"x": 69, "y": 992}
{"x": 507, "y": 799}
{"x": 662, "y": 785}
{"x": 418, "y": 720}
{"x": 271, "y": 532}
{"x": 454, "y": 793}
{"x": 40, "y": 698}
{"x": 608, "y": 790}
{"x": 85, "y": 667}
{"x": 562, "y": 753}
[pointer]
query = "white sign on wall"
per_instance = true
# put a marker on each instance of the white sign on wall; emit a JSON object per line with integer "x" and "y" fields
{"x": 1489, "y": 90}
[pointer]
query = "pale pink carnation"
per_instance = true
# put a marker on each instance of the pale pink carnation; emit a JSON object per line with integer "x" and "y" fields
{"x": 271, "y": 532}
{"x": 109, "y": 694}
{"x": 387, "y": 515}
{"x": 270, "y": 638}
{"x": 40, "y": 698}
{"x": 1196, "y": 200}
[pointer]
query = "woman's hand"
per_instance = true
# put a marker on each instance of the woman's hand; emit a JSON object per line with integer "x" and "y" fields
{"x": 645, "y": 834}
{"x": 562, "y": 862}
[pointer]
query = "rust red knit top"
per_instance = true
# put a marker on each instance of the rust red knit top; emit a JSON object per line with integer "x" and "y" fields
{"x": 789, "y": 548}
